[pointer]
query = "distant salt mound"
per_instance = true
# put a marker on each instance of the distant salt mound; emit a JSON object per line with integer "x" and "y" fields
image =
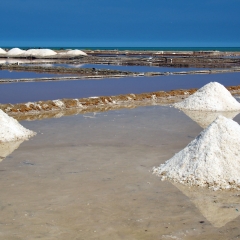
{"x": 11, "y": 130}
{"x": 212, "y": 159}
{"x": 15, "y": 52}
{"x": 2, "y": 51}
{"x": 211, "y": 97}
{"x": 40, "y": 52}
{"x": 76, "y": 53}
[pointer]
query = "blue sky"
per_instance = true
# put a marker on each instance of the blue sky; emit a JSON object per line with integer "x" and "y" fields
{"x": 158, "y": 23}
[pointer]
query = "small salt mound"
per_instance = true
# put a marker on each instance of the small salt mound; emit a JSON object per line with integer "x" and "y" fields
{"x": 211, "y": 97}
{"x": 76, "y": 53}
{"x": 40, "y": 52}
{"x": 15, "y": 52}
{"x": 212, "y": 159}
{"x": 11, "y": 130}
{"x": 2, "y": 51}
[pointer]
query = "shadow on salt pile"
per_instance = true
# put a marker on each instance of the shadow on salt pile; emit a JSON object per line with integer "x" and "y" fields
{"x": 204, "y": 118}
{"x": 218, "y": 208}
{"x": 7, "y": 148}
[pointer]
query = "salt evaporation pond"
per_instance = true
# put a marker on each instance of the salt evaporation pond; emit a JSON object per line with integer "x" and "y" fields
{"x": 122, "y": 68}
{"x": 6, "y": 74}
{"x": 89, "y": 177}
{"x": 36, "y": 91}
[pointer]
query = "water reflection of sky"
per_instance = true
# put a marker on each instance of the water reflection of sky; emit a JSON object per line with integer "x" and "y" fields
{"x": 35, "y": 91}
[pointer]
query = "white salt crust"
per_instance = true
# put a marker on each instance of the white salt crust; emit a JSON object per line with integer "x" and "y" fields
{"x": 211, "y": 160}
{"x": 211, "y": 97}
{"x": 11, "y": 130}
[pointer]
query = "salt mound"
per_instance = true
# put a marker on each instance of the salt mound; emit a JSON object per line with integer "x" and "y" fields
{"x": 40, "y": 52}
{"x": 15, "y": 52}
{"x": 204, "y": 118}
{"x": 212, "y": 159}
{"x": 76, "y": 53}
{"x": 11, "y": 130}
{"x": 211, "y": 97}
{"x": 2, "y": 51}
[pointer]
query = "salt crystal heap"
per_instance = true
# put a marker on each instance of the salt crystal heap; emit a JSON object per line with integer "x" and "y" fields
{"x": 15, "y": 52}
{"x": 11, "y": 130}
{"x": 211, "y": 97}
{"x": 212, "y": 159}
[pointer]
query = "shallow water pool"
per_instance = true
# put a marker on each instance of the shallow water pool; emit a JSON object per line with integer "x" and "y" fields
{"x": 37, "y": 91}
{"x": 89, "y": 177}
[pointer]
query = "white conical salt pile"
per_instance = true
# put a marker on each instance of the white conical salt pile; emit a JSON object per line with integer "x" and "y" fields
{"x": 40, "y": 52}
{"x": 212, "y": 159}
{"x": 11, "y": 130}
{"x": 2, "y": 51}
{"x": 15, "y": 52}
{"x": 211, "y": 97}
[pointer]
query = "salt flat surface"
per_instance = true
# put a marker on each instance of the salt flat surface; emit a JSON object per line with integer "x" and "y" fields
{"x": 89, "y": 177}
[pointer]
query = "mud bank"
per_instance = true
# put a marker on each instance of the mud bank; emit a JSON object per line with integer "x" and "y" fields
{"x": 62, "y": 70}
{"x": 60, "y": 107}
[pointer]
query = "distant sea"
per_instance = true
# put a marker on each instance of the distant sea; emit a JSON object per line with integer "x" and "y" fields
{"x": 222, "y": 49}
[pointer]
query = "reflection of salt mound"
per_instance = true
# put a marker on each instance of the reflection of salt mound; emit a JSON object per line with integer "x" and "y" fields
{"x": 204, "y": 118}
{"x": 218, "y": 208}
{"x": 211, "y": 97}
{"x": 7, "y": 148}
{"x": 2, "y": 51}
{"x": 40, "y": 52}
{"x": 11, "y": 130}
{"x": 15, "y": 52}
{"x": 76, "y": 53}
{"x": 212, "y": 159}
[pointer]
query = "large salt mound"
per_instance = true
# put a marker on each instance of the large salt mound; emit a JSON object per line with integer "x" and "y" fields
{"x": 40, "y": 52}
{"x": 2, "y": 51}
{"x": 212, "y": 159}
{"x": 11, "y": 130}
{"x": 15, "y": 52}
{"x": 211, "y": 97}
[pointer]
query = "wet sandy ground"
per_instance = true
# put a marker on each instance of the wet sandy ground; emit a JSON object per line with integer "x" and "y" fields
{"x": 89, "y": 177}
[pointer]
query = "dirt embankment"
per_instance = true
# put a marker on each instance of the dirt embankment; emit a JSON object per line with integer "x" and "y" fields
{"x": 63, "y": 70}
{"x": 60, "y": 107}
